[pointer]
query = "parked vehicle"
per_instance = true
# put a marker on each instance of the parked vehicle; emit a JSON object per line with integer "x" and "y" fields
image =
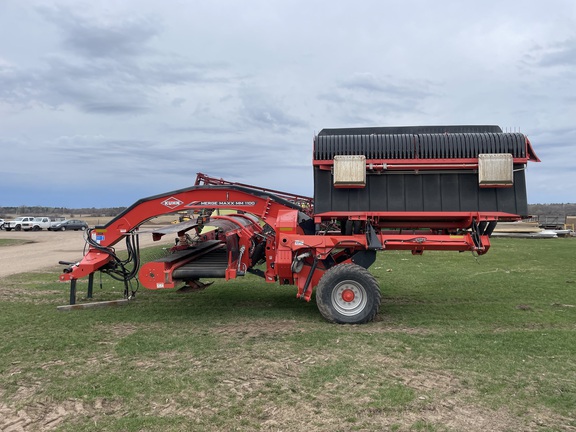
{"x": 39, "y": 223}
{"x": 69, "y": 224}
{"x": 1, "y": 224}
{"x": 19, "y": 223}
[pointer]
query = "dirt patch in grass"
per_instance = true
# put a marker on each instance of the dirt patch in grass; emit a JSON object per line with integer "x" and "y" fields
{"x": 15, "y": 294}
{"x": 266, "y": 389}
{"x": 117, "y": 330}
{"x": 257, "y": 328}
{"x": 47, "y": 415}
{"x": 21, "y": 295}
{"x": 384, "y": 327}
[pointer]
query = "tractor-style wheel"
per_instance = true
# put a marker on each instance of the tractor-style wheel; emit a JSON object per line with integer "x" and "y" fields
{"x": 348, "y": 294}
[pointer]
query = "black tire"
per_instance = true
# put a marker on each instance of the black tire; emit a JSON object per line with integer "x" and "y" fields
{"x": 36, "y": 228}
{"x": 18, "y": 228}
{"x": 8, "y": 229}
{"x": 348, "y": 294}
{"x": 63, "y": 229}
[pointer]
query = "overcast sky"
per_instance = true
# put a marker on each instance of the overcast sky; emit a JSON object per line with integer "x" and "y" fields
{"x": 105, "y": 102}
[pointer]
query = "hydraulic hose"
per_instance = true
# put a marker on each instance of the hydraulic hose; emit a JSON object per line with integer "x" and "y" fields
{"x": 133, "y": 259}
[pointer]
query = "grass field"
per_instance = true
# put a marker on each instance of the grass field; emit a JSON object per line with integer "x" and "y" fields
{"x": 459, "y": 345}
{"x": 13, "y": 242}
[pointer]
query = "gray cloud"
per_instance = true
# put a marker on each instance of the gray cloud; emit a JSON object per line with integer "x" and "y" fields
{"x": 108, "y": 37}
{"x": 16, "y": 87}
{"x": 103, "y": 86}
{"x": 142, "y": 95}
{"x": 386, "y": 86}
{"x": 558, "y": 54}
{"x": 108, "y": 67}
{"x": 364, "y": 98}
{"x": 265, "y": 111}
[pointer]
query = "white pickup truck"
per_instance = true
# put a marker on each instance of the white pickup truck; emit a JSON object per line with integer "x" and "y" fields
{"x": 27, "y": 223}
{"x": 40, "y": 223}
{"x": 18, "y": 223}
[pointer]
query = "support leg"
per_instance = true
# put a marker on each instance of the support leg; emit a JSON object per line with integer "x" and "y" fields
{"x": 126, "y": 289}
{"x": 90, "y": 285}
{"x": 73, "y": 291}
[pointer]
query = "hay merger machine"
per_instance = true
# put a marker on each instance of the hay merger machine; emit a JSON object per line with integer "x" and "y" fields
{"x": 375, "y": 189}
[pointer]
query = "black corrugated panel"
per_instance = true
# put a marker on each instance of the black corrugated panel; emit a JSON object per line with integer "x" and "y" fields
{"x": 423, "y": 146}
{"x": 448, "y": 192}
{"x": 399, "y": 130}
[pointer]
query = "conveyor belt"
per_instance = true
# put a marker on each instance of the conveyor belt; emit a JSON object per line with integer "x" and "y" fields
{"x": 211, "y": 265}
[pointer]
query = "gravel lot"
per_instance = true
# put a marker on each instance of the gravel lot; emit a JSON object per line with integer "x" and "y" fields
{"x": 46, "y": 248}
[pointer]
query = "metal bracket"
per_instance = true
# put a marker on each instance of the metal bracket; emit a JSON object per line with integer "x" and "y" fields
{"x": 476, "y": 233}
{"x": 309, "y": 277}
{"x": 374, "y": 242}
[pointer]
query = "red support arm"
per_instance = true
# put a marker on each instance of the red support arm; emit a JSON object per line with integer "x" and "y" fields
{"x": 263, "y": 205}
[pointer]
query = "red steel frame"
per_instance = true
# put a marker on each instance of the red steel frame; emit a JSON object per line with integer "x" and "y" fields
{"x": 158, "y": 274}
{"x": 194, "y": 198}
{"x": 305, "y": 202}
{"x": 288, "y": 239}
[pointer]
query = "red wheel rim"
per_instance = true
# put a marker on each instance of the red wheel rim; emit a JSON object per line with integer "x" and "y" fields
{"x": 348, "y": 295}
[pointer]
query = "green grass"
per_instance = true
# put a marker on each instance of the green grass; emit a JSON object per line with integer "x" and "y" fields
{"x": 460, "y": 344}
{"x": 13, "y": 242}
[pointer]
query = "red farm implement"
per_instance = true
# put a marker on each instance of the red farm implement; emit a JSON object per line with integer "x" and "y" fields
{"x": 375, "y": 189}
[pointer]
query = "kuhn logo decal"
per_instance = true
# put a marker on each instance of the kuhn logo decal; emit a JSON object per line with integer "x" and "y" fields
{"x": 171, "y": 202}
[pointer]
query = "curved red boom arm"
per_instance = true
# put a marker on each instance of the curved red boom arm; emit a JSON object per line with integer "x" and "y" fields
{"x": 261, "y": 204}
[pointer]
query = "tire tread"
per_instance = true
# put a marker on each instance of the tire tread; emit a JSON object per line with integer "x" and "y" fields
{"x": 343, "y": 272}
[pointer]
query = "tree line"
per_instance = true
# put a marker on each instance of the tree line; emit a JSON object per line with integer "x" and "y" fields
{"x": 60, "y": 211}
{"x": 567, "y": 209}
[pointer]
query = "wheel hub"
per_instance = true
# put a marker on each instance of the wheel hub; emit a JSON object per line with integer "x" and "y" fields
{"x": 349, "y": 298}
{"x": 348, "y": 295}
